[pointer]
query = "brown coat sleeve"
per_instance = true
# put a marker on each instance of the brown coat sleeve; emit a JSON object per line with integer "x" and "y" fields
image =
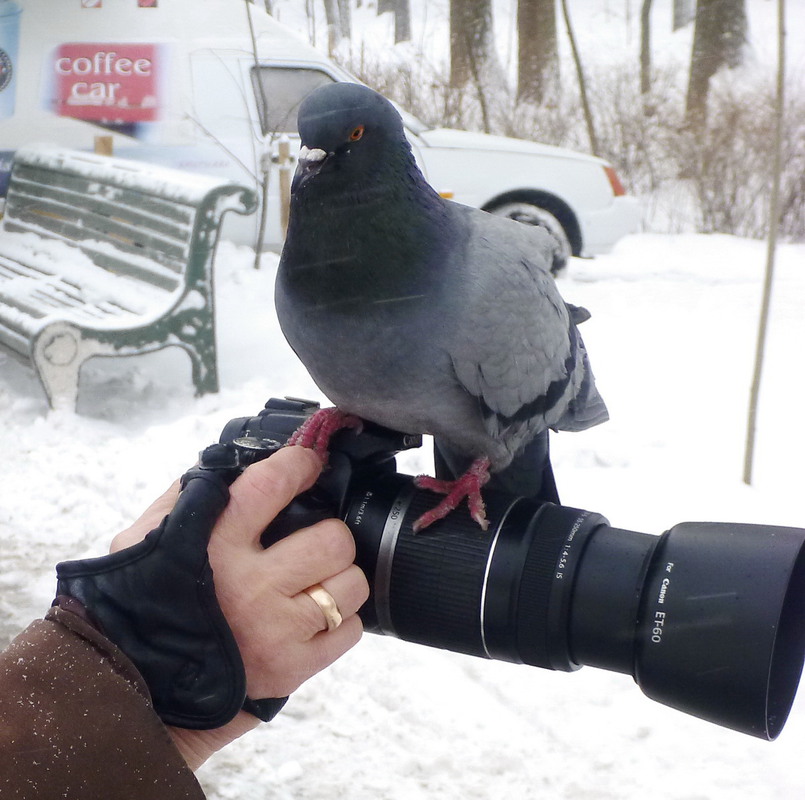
{"x": 76, "y": 721}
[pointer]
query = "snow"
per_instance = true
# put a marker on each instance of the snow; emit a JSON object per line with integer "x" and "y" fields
{"x": 62, "y": 267}
{"x": 177, "y": 186}
{"x": 316, "y": 154}
{"x": 671, "y": 340}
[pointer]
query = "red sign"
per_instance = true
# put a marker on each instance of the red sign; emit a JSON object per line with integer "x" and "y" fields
{"x": 107, "y": 82}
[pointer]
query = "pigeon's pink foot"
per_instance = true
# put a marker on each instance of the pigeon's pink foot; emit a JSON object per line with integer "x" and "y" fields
{"x": 468, "y": 485}
{"x": 317, "y": 430}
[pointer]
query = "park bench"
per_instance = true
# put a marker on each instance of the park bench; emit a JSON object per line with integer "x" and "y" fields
{"x": 108, "y": 257}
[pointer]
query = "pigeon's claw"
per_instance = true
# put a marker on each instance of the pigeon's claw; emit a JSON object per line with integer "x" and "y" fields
{"x": 317, "y": 430}
{"x": 467, "y": 486}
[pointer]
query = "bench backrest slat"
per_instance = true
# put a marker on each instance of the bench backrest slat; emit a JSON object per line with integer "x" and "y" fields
{"x": 128, "y": 220}
{"x": 153, "y": 213}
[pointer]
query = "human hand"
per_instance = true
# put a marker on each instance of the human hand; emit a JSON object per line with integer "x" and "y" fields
{"x": 280, "y": 631}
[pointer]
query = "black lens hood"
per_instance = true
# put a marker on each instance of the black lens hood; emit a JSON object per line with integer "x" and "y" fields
{"x": 722, "y": 634}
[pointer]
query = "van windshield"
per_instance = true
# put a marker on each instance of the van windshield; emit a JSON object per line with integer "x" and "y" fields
{"x": 280, "y": 90}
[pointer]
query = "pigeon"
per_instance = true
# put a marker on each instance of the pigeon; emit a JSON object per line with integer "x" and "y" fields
{"x": 421, "y": 314}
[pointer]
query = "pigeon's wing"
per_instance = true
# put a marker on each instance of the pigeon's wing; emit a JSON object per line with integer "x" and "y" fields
{"x": 578, "y": 314}
{"x": 519, "y": 353}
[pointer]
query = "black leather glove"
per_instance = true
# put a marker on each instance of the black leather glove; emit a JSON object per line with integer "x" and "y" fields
{"x": 156, "y": 601}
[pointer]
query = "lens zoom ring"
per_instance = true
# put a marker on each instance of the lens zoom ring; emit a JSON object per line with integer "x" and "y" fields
{"x": 437, "y": 579}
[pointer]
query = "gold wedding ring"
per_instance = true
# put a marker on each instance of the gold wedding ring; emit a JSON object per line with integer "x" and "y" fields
{"x": 324, "y": 600}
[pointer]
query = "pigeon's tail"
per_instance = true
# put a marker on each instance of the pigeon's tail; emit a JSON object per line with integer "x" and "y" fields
{"x": 528, "y": 475}
{"x": 587, "y": 407}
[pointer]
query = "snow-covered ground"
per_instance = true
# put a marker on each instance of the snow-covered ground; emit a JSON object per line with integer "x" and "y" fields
{"x": 671, "y": 340}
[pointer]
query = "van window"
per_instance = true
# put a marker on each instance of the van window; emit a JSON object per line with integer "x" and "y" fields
{"x": 279, "y": 91}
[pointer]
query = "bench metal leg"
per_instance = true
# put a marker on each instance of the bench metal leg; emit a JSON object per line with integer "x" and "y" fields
{"x": 205, "y": 372}
{"x": 57, "y": 354}
{"x": 59, "y": 350}
{"x": 196, "y": 332}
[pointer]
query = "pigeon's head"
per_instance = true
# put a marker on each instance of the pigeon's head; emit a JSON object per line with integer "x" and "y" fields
{"x": 346, "y": 130}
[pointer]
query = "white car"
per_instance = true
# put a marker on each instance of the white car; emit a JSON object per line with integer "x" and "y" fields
{"x": 578, "y": 197}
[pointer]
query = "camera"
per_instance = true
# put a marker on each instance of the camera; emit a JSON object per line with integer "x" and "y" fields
{"x": 708, "y": 618}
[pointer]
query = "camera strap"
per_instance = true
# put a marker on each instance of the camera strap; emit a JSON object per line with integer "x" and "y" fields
{"x": 156, "y": 601}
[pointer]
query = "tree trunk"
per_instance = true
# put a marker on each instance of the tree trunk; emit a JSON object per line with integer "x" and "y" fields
{"x": 645, "y": 47}
{"x": 472, "y": 43}
{"x": 310, "y": 13}
{"x": 402, "y": 17}
{"x": 684, "y": 12}
{"x": 719, "y": 40}
{"x": 538, "y": 57}
{"x": 344, "y": 19}
{"x": 402, "y": 21}
{"x": 333, "y": 16}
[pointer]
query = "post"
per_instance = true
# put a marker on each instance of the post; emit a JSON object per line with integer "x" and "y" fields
{"x": 104, "y": 145}
{"x": 285, "y": 164}
{"x": 265, "y": 168}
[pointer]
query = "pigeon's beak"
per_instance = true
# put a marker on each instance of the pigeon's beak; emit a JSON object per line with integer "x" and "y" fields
{"x": 310, "y": 162}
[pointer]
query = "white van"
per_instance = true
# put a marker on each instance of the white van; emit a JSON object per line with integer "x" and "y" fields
{"x": 211, "y": 86}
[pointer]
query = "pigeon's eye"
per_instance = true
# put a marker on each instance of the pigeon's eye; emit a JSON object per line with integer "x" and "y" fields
{"x": 356, "y": 134}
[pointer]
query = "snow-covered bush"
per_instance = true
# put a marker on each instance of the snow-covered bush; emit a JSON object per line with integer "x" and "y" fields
{"x": 711, "y": 179}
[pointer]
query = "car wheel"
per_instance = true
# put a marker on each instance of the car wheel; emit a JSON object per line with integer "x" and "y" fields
{"x": 534, "y": 215}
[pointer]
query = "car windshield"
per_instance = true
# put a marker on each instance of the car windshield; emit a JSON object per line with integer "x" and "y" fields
{"x": 280, "y": 89}
{"x": 414, "y": 124}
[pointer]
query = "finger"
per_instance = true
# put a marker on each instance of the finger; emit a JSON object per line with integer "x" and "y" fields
{"x": 263, "y": 490}
{"x": 329, "y": 646}
{"x": 349, "y": 591}
{"x": 309, "y": 555}
{"x": 149, "y": 520}
{"x": 349, "y": 588}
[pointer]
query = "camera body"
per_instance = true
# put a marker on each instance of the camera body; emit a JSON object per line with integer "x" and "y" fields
{"x": 708, "y": 618}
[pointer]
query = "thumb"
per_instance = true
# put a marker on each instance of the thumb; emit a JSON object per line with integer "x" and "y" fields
{"x": 263, "y": 490}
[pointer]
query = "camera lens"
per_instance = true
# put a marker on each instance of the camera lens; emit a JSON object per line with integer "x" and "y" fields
{"x": 708, "y": 618}
{"x": 504, "y": 593}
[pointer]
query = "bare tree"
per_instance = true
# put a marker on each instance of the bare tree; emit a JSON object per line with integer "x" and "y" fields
{"x": 719, "y": 40}
{"x": 310, "y": 14}
{"x": 345, "y": 19}
{"x": 339, "y": 22}
{"x": 402, "y": 21}
{"x": 473, "y": 56}
{"x": 538, "y": 53}
{"x": 645, "y": 47}
{"x": 472, "y": 42}
{"x": 333, "y": 24}
{"x": 774, "y": 221}
{"x": 402, "y": 17}
{"x": 684, "y": 12}
{"x": 585, "y": 103}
